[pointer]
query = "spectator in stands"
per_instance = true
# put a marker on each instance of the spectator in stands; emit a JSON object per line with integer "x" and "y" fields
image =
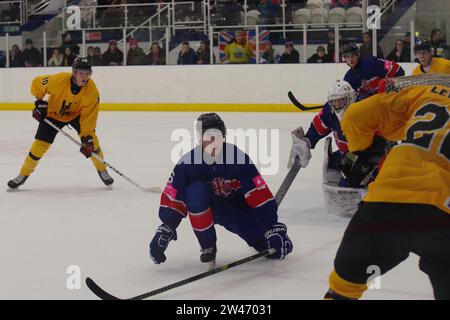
{"x": 270, "y": 55}
{"x": 138, "y": 14}
{"x": 135, "y": 54}
{"x": 407, "y": 42}
{"x": 93, "y": 58}
{"x": 231, "y": 13}
{"x": 187, "y": 54}
{"x": 113, "y": 56}
{"x": 439, "y": 48}
{"x": 366, "y": 47}
{"x": 320, "y": 56}
{"x": 331, "y": 44}
{"x": 31, "y": 56}
{"x": 112, "y": 16}
{"x": 204, "y": 54}
{"x": 238, "y": 51}
{"x": 268, "y": 9}
{"x": 98, "y": 53}
{"x": 12, "y": 14}
{"x": 56, "y": 59}
{"x": 342, "y": 45}
{"x": 15, "y": 57}
{"x": 68, "y": 58}
{"x": 400, "y": 53}
{"x": 290, "y": 55}
{"x": 68, "y": 42}
{"x": 155, "y": 56}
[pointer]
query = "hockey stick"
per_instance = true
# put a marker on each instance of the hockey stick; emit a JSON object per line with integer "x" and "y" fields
{"x": 151, "y": 189}
{"x": 288, "y": 181}
{"x": 302, "y": 107}
{"x": 102, "y": 294}
{"x": 286, "y": 184}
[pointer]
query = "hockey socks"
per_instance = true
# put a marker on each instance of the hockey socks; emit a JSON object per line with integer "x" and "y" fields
{"x": 37, "y": 151}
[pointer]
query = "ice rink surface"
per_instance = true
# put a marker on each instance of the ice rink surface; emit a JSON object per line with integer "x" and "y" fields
{"x": 64, "y": 216}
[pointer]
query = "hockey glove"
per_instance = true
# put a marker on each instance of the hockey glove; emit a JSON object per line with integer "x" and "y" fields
{"x": 301, "y": 148}
{"x": 278, "y": 239}
{"x": 164, "y": 234}
{"x": 40, "y": 110}
{"x": 360, "y": 167}
{"x": 87, "y": 146}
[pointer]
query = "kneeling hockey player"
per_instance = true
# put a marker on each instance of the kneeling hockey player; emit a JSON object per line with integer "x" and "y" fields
{"x": 216, "y": 183}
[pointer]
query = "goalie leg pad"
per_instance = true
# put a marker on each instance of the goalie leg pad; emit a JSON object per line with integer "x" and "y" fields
{"x": 342, "y": 201}
{"x": 330, "y": 167}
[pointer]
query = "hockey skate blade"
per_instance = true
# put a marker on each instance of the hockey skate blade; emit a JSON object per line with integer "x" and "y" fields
{"x": 211, "y": 265}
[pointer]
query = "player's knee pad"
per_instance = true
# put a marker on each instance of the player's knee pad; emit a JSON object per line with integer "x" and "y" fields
{"x": 197, "y": 196}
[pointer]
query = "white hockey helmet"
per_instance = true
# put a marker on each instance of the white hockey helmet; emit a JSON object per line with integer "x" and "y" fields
{"x": 340, "y": 96}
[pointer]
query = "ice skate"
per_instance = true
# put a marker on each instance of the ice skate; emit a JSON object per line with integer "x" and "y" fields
{"x": 106, "y": 178}
{"x": 17, "y": 182}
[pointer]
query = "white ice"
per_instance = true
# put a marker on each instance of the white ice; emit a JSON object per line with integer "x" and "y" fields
{"x": 64, "y": 216}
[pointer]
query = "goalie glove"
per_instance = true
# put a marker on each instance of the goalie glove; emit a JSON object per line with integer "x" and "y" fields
{"x": 301, "y": 149}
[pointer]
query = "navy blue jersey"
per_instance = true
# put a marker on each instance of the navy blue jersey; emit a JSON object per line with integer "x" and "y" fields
{"x": 235, "y": 180}
{"x": 323, "y": 124}
{"x": 364, "y": 77}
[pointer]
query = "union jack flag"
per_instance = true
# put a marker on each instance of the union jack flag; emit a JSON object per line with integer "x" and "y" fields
{"x": 224, "y": 188}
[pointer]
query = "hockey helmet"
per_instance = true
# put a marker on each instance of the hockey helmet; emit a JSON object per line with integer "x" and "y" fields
{"x": 350, "y": 48}
{"x": 81, "y": 64}
{"x": 340, "y": 96}
{"x": 422, "y": 45}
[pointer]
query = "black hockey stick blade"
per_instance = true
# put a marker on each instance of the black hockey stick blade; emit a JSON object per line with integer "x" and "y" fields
{"x": 102, "y": 294}
{"x": 302, "y": 107}
{"x": 99, "y": 292}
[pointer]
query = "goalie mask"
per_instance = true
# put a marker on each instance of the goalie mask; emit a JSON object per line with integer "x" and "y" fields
{"x": 340, "y": 96}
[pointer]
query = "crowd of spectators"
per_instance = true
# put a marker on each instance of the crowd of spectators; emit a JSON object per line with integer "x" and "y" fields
{"x": 238, "y": 51}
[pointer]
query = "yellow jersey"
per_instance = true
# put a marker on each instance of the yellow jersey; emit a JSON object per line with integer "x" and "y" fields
{"x": 438, "y": 65}
{"x": 65, "y": 106}
{"x": 238, "y": 53}
{"x": 418, "y": 169}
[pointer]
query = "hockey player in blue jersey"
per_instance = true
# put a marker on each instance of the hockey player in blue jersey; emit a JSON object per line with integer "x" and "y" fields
{"x": 216, "y": 183}
{"x": 365, "y": 73}
{"x": 343, "y": 176}
{"x": 340, "y": 96}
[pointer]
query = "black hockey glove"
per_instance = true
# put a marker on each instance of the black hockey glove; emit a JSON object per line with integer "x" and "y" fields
{"x": 278, "y": 239}
{"x": 40, "y": 110}
{"x": 164, "y": 234}
{"x": 360, "y": 167}
{"x": 87, "y": 146}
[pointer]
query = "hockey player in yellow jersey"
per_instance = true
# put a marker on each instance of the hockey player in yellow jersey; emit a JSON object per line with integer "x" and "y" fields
{"x": 407, "y": 207}
{"x": 428, "y": 63}
{"x": 73, "y": 99}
